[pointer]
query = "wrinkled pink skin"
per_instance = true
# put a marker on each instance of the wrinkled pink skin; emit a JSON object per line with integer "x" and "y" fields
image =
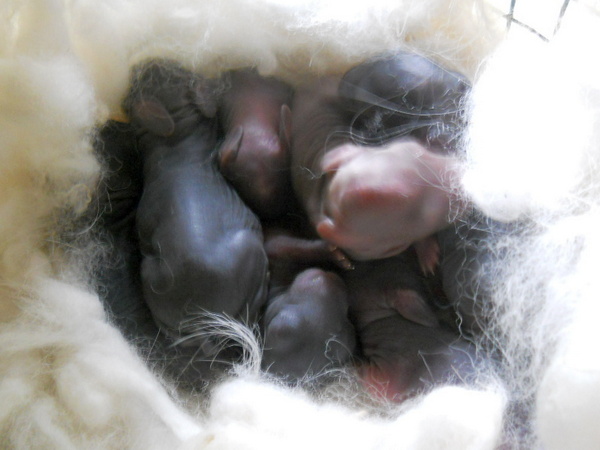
{"x": 372, "y": 202}
{"x": 254, "y": 156}
{"x": 379, "y": 201}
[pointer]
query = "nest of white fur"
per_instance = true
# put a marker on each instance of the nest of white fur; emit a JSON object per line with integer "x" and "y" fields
{"x": 68, "y": 379}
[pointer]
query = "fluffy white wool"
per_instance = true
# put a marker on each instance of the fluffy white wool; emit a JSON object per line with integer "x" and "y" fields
{"x": 247, "y": 414}
{"x": 288, "y": 38}
{"x": 533, "y": 155}
{"x": 69, "y": 380}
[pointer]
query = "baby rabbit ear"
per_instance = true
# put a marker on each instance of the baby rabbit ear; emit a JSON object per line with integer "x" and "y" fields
{"x": 285, "y": 126}
{"x": 151, "y": 115}
{"x": 413, "y": 307}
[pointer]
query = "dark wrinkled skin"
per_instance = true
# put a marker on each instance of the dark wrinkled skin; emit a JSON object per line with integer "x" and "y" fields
{"x": 118, "y": 273}
{"x": 390, "y": 286}
{"x": 202, "y": 248}
{"x": 318, "y": 125}
{"x": 468, "y": 267}
{"x": 406, "y": 94}
{"x": 404, "y": 358}
{"x": 406, "y": 341}
{"x": 306, "y": 326}
{"x": 293, "y": 247}
{"x": 255, "y": 155}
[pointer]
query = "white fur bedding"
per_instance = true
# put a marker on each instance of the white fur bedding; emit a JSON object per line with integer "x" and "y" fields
{"x": 68, "y": 380}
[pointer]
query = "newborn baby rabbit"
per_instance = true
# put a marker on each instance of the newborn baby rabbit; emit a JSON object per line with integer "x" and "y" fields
{"x": 202, "y": 248}
{"x": 255, "y": 155}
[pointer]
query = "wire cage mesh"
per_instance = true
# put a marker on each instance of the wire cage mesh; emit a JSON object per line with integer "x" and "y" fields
{"x": 542, "y": 18}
